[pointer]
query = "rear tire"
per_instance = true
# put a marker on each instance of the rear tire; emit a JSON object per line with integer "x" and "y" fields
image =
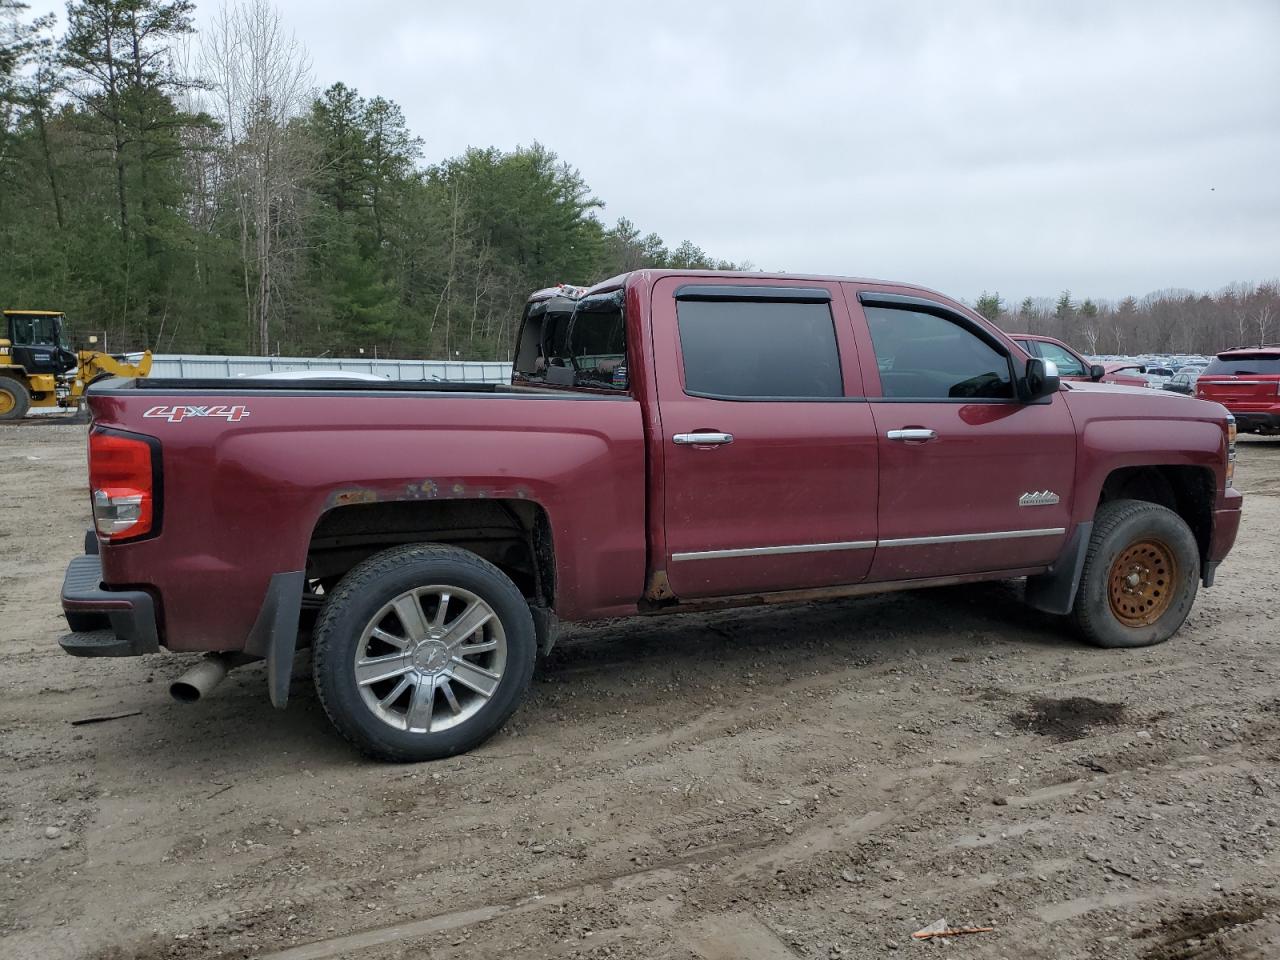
{"x": 1140, "y": 578}
{"x": 15, "y": 399}
{"x": 422, "y": 652}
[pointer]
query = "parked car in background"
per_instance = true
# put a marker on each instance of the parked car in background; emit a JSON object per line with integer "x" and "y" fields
{"x": 1072, "y": 366}
{"x": 1246, "y": 380}
{"x": 1128, "y": 374}
{"x": 1182, "y": 383}
{"x": 1157, "y": 377}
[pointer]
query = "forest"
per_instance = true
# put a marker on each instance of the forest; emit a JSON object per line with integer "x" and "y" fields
{"x": 196, "y": 192}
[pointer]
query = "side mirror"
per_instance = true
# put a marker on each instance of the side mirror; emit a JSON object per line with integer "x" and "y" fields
{"x": 1096, "y": 372}
{"x": 1041, "y": 379}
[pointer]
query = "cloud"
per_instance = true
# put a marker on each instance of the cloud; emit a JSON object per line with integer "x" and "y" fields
{"x": 1108, "y": 148}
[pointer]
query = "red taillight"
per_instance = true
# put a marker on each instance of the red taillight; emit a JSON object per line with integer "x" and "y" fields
{"x": 121, "y": 482}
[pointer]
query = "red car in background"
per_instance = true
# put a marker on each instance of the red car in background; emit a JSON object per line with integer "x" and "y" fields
{"x": 1246, "y": 380}
{"x": 1072, "y": 366}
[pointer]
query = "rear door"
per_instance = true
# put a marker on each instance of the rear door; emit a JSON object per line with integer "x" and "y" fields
{"x": 971, "y": 478}
{"x": 769, "y": 450}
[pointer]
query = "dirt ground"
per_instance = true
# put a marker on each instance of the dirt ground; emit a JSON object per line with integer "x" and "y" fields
{"x": 806, "y": 782}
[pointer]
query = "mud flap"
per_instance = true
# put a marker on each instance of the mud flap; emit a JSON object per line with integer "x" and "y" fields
{"x": 1208, "y": 570}
{"x": 546, "y": 627}
{"x": 275, "y": 632}
{"x": 1055, "y": 590}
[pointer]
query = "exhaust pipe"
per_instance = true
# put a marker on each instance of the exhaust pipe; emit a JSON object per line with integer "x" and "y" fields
{"x": 198, "y": 682}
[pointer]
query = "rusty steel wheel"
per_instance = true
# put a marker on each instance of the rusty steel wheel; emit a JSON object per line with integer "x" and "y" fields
{"x": 1140, "y": 575}
{"x": 1140, "y": 583}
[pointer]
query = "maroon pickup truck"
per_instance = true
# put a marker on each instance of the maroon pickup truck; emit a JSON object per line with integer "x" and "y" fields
{"x": 670, "y": 441}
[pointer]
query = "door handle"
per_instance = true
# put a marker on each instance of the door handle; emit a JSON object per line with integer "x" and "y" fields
{"x": 703, "y": 439}
{"x": 918, "y": 434}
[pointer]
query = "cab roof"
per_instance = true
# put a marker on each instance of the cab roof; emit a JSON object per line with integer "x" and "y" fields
{"x": 34, "y": 313}
{"x": 653, "y": 274}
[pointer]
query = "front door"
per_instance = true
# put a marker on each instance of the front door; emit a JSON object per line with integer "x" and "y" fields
{"x": 769, "y": 454}
{"x": 972, "y": 479}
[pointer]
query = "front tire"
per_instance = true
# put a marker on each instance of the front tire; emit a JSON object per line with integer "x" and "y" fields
{"x": 15, "y": 400}
{"x": 1140, "y": 577}
{"x": 422, "y": 652}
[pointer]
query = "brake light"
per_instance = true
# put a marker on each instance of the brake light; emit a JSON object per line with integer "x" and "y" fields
{"x": 122, "y": 485}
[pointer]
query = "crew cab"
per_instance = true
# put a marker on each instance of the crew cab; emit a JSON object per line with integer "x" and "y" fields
{"x": 670, "y": 441}
{"x": 1072, "y": 366}
{"x": 1246, "y": 380}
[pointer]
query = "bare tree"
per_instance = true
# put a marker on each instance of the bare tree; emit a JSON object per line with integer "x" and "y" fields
{"x": 1263, "y": 320}
{"x": 261, "y": 82}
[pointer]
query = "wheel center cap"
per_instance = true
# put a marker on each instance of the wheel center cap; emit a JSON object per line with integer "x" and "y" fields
{"x": 430, "y": 656}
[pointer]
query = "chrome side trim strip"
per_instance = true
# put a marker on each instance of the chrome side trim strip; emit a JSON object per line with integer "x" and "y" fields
{"x": 970, "y": 537}
{"x": 866, "y": 544}
{"x": 771, "y": 551}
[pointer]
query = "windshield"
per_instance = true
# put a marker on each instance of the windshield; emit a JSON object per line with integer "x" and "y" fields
{"x": 35, "y": 331}
{"x": 1265, "y": 364}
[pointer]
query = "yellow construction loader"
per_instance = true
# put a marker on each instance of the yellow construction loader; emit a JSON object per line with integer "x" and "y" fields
{"x": 37, "y": 369}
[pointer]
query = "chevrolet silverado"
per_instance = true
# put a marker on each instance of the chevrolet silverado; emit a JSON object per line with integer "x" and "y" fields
{"x": 670, "y": 441}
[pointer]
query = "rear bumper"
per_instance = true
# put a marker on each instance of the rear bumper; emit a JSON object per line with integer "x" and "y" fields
{"x": 105, "y": 623}
{"x": 1253, "y": 421}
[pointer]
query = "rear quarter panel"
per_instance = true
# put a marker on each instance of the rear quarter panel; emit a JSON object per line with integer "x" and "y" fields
{"x": 241, "y": 499}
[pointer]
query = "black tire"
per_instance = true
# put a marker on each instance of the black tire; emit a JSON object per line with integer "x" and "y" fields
{"x": 358, "y": 598}
{"x": 1125, "y": 525}
{"x": 18, "y": 397}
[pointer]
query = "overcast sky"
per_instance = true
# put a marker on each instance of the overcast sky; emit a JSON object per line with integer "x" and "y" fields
{"x": 1108, "y": 148}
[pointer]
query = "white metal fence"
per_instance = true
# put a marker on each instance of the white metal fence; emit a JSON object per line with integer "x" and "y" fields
{"x": 202, "y": 365}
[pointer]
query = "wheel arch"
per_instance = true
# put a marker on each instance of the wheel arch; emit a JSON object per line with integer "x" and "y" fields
{"x": 515, "y": 535}
{"x": 1188, "y": 491}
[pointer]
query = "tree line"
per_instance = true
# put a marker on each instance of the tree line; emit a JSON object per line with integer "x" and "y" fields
{"x": 196, "y": 193}
{"x": 1168, "y": 321}
{"x": 189, "y": 192}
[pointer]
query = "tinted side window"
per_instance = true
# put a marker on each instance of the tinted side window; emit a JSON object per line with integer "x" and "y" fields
{"x": 597, "y": 344}
{"x": 737, "y": 348}
{"x": 1068, "y": 365}
{"x": 926, "y": 357}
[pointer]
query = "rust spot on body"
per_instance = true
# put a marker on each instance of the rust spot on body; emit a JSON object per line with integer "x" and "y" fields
{"x": 427, "y": 489}
{"x": 345, "y": 498}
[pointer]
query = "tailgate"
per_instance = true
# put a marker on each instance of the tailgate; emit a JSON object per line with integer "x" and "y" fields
{"x": 1263, "y": 391}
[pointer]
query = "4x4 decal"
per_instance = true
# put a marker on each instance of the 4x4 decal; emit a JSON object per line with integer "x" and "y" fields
{"x": 180, "y": 413}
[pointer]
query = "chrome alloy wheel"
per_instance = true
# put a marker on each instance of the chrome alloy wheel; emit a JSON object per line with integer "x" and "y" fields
{"x": 430, "y": 659}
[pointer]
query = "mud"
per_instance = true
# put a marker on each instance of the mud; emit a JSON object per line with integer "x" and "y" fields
{"x": 1071, "y": 719}
{"x": 805, "y": 782}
